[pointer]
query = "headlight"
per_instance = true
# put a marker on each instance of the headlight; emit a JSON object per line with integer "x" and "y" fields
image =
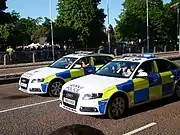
{"x": 92, "y": 96}
{"x": 37, "y": 80}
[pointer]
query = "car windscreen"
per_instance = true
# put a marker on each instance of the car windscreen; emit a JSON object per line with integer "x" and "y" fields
{"x": 120, "y": 69}
{"x": 63, "y": 63}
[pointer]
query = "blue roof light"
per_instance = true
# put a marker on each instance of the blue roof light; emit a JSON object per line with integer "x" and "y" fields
{"x": 148, "y": 55}
{"x": 144, "y": 55}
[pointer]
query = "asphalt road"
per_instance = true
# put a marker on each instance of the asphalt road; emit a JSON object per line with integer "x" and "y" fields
{"x": 25, "y": 114}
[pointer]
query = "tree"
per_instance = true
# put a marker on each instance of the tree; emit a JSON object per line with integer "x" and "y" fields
{"x": 2, "y": 13}
{"x": 39, "y": 32}
{"x": 83, "y": 19}
{"x": 2, "y": 5}
{"x": 132, "y": 22}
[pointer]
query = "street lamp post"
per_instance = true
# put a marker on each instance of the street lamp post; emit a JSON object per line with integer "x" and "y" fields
{"x": 52, "y": 36}
{"x": 147, "y": 14}
{"x": 109, "y": 40}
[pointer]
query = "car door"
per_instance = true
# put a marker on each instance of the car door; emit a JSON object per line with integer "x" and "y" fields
{"x": 147, "y": 88}
{"x": 167, "y": 77}
{"x": 78, "y": 71}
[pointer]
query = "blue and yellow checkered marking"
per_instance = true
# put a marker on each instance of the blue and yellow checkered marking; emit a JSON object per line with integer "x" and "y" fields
{"x": 142, "y": 89}
{"x": 102, "y": 104}
{"x": 44, "y": 87}
{"x": 68, "y": 75}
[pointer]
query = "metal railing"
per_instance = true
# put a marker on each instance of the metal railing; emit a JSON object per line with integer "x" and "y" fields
{"x": 46, "y": 55}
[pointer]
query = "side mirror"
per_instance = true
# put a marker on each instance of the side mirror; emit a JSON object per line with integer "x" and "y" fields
{"x": 77, "y": 66}
{"x": 142, "y": 74}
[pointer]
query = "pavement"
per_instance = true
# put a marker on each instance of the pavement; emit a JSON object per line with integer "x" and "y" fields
{"x": 24, "y": 114}
{"x": 19, "y": 69}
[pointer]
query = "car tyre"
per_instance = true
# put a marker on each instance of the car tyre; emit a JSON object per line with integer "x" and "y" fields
{"x": 54, "y": 88}
{"x": 117, "y": 106}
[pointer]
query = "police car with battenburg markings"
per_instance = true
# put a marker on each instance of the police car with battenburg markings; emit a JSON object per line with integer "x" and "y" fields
{"x": 124, "y": 82}
{"x": 49, "y": 80}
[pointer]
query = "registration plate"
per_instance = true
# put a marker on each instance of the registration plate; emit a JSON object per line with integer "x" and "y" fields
{"x": 69, "y": 101}
{"x": 24, "y": 85}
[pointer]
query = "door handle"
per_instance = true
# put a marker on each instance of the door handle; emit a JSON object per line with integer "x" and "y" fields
{"x": 172, "y": 76}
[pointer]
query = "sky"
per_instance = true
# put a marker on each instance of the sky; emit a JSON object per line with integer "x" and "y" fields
{"x": 40, "y": 8}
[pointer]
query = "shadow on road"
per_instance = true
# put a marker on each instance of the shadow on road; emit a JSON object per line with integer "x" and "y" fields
{"x": 146, "y": 107}
{"x": 13, "y": 97}
{"x": 77, "y": 129}
{"x": 151, "y": 106}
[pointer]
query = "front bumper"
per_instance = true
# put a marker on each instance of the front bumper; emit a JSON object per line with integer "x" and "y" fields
{"x": 32, "y": 88}
{"x": 83, "y": 107}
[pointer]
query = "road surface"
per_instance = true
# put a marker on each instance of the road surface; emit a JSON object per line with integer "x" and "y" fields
{"x": 24, "y": 114}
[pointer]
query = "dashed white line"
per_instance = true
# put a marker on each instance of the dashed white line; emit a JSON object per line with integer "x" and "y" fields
{"x": 140, "y": 129}
{"x": 26, "y": 106}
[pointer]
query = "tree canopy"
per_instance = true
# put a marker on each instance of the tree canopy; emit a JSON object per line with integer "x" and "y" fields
{"x": 3, "y": 5}
{"x": 22, "y": 31}
{"x": 132, "y": 22}
{"x": 82, "y": 20}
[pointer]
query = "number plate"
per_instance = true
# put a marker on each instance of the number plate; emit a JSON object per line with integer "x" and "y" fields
{"x": 24, "y": 85}
{"x": 69, "y": 101}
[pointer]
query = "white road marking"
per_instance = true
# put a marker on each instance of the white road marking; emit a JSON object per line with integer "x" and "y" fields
{"x": 140, "y": 129}
{"x": 26, "y": 106}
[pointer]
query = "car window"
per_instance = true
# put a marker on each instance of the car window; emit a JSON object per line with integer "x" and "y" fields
{"x": 63, "y": 63}
{"x": 163, "y": 65}
{"x": 147, "y": 67}
{"x": 101, "y": 60}
{"x": 78, "y": 64}
{"x": 120, "y": 69}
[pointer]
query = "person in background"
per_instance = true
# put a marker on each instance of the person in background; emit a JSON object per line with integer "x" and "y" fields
{"x": 10, "y": 52}
{"x": 77, "y": 129}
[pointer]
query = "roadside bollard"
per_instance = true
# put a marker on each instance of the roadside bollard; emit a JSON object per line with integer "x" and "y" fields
{"x": 164, "y": 48}
{"x": 154, "y": 49}
{"x": 142, "y": 50}
{"x": 34, "y": 57}
{"x": 99, "y": 51}
{"x": 115, "y": 52}
{"x": 5, "y": 59}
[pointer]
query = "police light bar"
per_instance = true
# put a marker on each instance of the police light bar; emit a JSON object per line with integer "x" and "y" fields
{"x": 84, "y": 52}
{"x": 131, "y": 55}
{"x": 145, "y": 55}
{"x": 148, "y": 55}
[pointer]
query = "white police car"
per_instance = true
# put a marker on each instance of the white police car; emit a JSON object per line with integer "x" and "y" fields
{"x": 122, "y": 83}
{"x": 50, "y": 79}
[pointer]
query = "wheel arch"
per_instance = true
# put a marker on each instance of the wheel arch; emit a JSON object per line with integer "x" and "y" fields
{"x": 57, "y": 78}
{"x": 175, "y": 84}
{"x": 122, "y": 93}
